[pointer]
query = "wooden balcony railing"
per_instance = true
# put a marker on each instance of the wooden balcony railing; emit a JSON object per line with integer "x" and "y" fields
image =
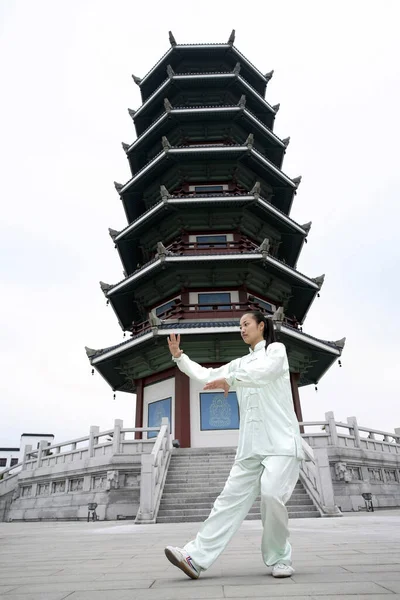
{"x": 181, "y": 248}
{"x": 223, "y": 310}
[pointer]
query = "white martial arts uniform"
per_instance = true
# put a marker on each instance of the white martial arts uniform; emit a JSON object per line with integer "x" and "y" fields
{"x": 268, "y": 455}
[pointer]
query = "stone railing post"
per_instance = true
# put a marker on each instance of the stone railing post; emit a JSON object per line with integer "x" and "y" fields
{"x": 118, "y": 425}
{"x": 325, "y": 482}
{"x": 27, "y": 449}
{"x": 93, "y": 434}
{"x": 330, "y": 418}
{"x": 352, "y": 422}
{"x": 42, "y": 446}
{"x": 397, "y": 434}
{"x": 147, "y": 487}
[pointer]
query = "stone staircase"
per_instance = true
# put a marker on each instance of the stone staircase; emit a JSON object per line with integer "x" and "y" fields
{"x": 196, "y": 476}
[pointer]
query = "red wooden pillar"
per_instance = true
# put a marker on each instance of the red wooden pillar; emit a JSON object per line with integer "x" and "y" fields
{"x": 139, "y": 408}
{"x": 182, "y": 408}
{"x": 294, "y": 384}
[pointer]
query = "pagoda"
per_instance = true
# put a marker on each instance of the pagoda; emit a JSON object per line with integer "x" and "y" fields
{"x": 209, "y": 236}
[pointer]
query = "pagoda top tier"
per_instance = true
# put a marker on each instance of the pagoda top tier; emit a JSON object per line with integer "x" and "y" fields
{"x": 195, "y": 58}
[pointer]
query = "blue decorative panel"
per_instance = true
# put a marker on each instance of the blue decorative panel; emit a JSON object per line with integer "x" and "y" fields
{"x": 156, "y": 411}
{"x": 218, "y": 412}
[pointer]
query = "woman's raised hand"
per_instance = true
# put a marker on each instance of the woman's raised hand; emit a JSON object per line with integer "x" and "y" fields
{"x": 173, "y": 344}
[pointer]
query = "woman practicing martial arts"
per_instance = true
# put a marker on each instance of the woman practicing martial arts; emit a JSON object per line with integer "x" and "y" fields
{"x": 268, "y": 455}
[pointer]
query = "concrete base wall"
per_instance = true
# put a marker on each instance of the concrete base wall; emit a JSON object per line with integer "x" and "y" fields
{"x": 53, "y": 493}
{"x": 355, "y": 472}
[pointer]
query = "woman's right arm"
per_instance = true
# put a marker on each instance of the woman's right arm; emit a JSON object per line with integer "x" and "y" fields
{"x": 193, "y": 369}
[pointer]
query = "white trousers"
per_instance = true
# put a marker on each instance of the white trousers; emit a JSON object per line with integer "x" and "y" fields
{"x": 275, "y": 478}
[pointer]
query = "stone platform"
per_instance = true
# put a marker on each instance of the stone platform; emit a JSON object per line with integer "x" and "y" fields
{"x": 352, "y": 557}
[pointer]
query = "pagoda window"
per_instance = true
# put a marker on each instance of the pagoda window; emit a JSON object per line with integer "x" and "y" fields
{"x": 208, "y": 189}
{"x": 214, "y": 301}
{"x": 160, "y": 310}
{"x": 210, "y": 241}
{"x": 3, "y": 462}
{"x": 14, "y": 461}
{"x": 267, "y": 306}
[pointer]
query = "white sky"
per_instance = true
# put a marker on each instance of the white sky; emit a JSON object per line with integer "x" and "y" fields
{"x": 65, "y": 76}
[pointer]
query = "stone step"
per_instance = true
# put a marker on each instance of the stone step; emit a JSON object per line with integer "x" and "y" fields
{"x": 202, "y": 482}
{"x": 198, "y": 469}
{"x": 250, "y": 517}
{"x": 184, "y": 497}
{"x": 200, "y": 509}
{"x": 209, "y": 501}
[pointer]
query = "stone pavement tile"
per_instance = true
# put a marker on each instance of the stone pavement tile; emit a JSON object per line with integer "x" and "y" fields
{"x": 303, "y": 589}
{"x": 231, "y": 580}
{"x": 15, "y": 570}
{"x": 40, "y": 596}
{"x": 191, "y": 590}
{"x": 85, "y": 586}
{"x": 300, "y": 577}
{"x": 336, "y": 597}
{"x": 390, "y": 584}
{"x": 373, "y": 568}
{"x": 18, "y": 580}
{"x": 108, "y": 595}
{"x": 366, "y": 559}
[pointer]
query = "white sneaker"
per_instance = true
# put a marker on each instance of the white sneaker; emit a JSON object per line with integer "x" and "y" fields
{"x": 181, "y": 559}
{"x": 282, "y": 570}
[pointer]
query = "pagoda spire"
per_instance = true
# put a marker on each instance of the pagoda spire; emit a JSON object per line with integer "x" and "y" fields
{"x": 137, "y": 80}
{"x": 297, "y": 181}
{"x": 307, "y": 226}
{"x": 167, "y": 105}
{"x": 105, "y": 287}
{"x": 269, "y": 75}
{"x": 242, "y": 101}
{"x": 172, "y": 40}
{"x": 113, "y": 233}
{"x": 236, "y": 69}
{"x": 165, "y": 195}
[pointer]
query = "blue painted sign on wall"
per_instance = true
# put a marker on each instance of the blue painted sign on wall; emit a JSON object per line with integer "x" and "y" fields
{"x": 156, "y": 411}
{"x": 218, "y": 412}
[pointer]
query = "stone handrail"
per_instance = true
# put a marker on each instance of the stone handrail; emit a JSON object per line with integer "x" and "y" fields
{"x": 331, "y": 434}
{"x": 153, "y": 474}
{"x": 316, "y": 478}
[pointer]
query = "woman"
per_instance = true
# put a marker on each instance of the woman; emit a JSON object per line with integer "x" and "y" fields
{"x": 268, "y": 455}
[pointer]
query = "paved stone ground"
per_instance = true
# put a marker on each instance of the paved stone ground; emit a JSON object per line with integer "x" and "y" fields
{"x": 355, "y": 557}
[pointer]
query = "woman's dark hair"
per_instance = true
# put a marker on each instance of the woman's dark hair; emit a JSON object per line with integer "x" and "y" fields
{"x": 269, "y": 332}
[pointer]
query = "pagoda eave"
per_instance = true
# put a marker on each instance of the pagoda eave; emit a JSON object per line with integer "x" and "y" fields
{"x": 256, "y": 103}
{"x": 137, "y": 151}
{"x": 175, "y": 54}
{"x": 147, "y": 353}
{"x": 284, "y": 187}
{"x": 257, "y": 269}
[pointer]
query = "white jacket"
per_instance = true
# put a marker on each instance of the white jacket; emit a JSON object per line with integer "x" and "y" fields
{"x": 261, "y": 379}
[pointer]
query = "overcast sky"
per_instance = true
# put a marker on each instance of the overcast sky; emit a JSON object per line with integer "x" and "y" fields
{"x": 65, "y": 75}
